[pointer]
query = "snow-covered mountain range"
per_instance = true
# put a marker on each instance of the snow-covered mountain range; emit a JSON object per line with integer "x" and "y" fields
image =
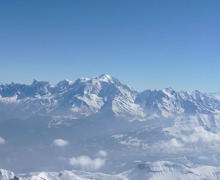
{"x": 157, "y": 171}
{"x": 99, "y": 128}
{"x": 101, "y": 95}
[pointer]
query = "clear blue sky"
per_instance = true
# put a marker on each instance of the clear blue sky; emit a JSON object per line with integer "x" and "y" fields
{"x": 144, "y": 43}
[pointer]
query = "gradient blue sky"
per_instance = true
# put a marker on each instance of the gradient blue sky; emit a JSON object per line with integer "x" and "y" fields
{"x": 145, "y": 43}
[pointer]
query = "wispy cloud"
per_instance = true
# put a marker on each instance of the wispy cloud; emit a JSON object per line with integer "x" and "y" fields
{"x": 173, "y": 143}
{"x": 60, "y": 142}
{"x": 102, "y": 154}
{"x": 2, "y": 140}
{"x": 201, "y": 135}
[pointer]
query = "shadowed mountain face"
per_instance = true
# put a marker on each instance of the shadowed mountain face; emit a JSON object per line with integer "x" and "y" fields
{"x": 100, "y": 124}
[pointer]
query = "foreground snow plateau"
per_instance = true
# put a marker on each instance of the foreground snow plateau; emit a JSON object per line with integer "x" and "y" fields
{"x": 159, "y": 170}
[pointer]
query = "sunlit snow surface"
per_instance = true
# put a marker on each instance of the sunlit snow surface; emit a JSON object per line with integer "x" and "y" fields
{"x": 159, "y": 170}
{"x": 101, "y": 129}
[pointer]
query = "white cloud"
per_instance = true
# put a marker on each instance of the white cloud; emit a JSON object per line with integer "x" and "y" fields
{"x": 201, "y": 135}
{"x": 102, "y": 153}
{"x": 174, "y": 143}
{"x": 60, "y": 142}
{"x": 2, "y": 141}
{"x": 86, "y": 163}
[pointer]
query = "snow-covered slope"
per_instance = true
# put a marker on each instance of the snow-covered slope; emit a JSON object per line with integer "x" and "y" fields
{"x": 164, "y": 170}
{"x": 78, "y": 99}
{"x": 169, "y": 103}
{"x": 215, "y": 95}
{"x": 159, "y": 170}
{"x": 7, "y": 175}
{"x": 100, "y": 95}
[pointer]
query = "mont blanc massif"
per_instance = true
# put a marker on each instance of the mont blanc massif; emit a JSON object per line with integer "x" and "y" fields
{"x": 98, "y": 128}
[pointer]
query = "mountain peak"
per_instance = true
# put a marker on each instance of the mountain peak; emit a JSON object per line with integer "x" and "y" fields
{"x": 65, "y": 82}
{"x": 36, "y": 83}
{"x": 107, "y": 78}
{"x": 168, "y": 90}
